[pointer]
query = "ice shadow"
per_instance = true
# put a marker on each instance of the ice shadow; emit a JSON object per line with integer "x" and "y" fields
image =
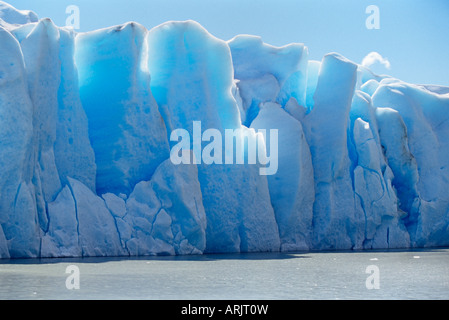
{"x": 208, "y": 256}
{"x": 203, "y": 257}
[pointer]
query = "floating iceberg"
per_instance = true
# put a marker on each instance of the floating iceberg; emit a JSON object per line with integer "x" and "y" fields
{"x": 85, "y": 127}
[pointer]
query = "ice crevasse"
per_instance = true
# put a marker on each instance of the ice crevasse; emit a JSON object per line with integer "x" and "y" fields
{"x": 85, "y": 126}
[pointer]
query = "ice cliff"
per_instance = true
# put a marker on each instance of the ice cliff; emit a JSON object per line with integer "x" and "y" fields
{"x": 85, "y": 126}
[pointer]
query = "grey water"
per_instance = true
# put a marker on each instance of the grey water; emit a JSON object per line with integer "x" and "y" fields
{"x": 394, "y": 274}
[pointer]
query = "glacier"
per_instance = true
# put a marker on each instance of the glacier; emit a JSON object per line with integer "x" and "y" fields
{"x": 85, "y": 125}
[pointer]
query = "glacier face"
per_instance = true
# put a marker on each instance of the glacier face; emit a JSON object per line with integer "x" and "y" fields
{"x": 85, "y": 124}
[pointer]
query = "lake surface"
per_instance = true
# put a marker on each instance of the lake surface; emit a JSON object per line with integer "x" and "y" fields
{"x": 417, "y": 274}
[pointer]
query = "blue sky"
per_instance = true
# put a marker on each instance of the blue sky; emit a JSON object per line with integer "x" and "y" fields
{"x": 413, "y": 34}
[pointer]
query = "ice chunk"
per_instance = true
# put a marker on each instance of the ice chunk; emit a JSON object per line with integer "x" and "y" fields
{"x": 50, "y": 116}
{"x": 191, "y": 76}
{"x": 326, "y": 132}
{"x": 372, "y": 185}
{"x": 393, "y": 133}
{"x": 421, "y": 170}
{"x": 98, "y": 234}
{"x": 267, "y": 73}
{"x": 391, "y": 234}
{"x": 16, "y": 111}
{"x": 115, "y": 204}
{"x": 62, "y": 238}
{"x": 80, "y": 227}
{"x": 44, "y": 77}
{"x": 22, "y": 231}
{"x": 179, "y": 193}
{"x": 329, "y": 118}
{"x": 135, "y": 227}
{"x": 125, "y": 127}
{"x": 74, "y": 155}
{"x": 363, "y": 108}
{"x": 254, "y": 92}
{"x": 291, "y": 188}
{"x": 164, "y": 215}
{"x": 192, "y": 80}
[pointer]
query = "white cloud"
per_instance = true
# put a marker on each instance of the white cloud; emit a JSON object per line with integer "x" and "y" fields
{"x": 375, "y": 57}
